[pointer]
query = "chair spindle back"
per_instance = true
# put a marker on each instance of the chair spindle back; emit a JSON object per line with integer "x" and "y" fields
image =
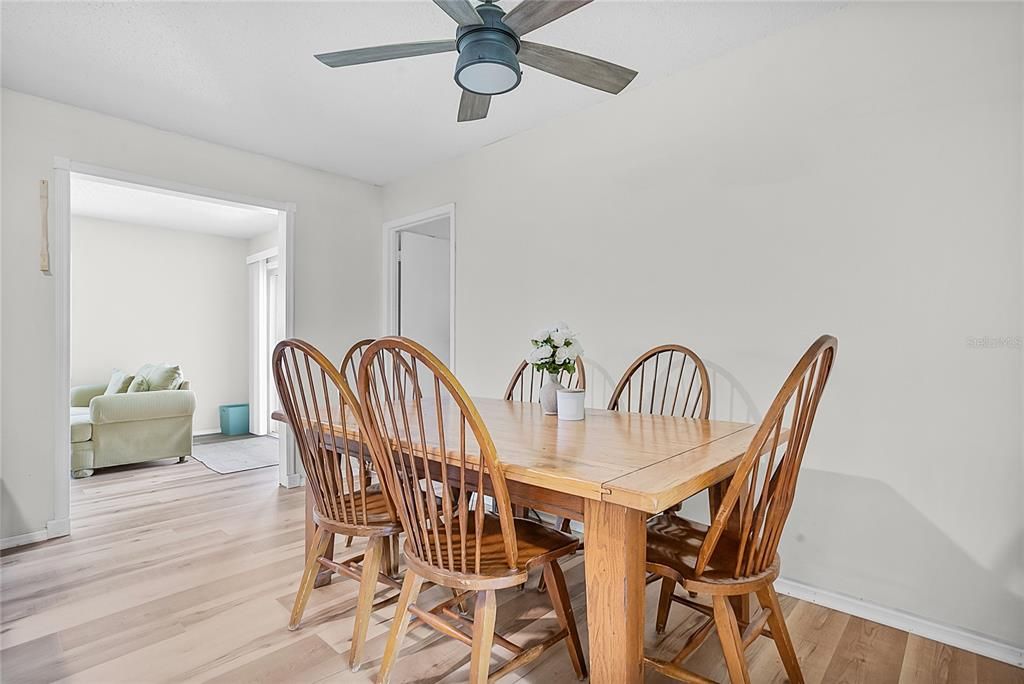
{"x": 327, "y": 422}
{"x": 764, "y": 496}
{"x": 412, "y": 427}
{"x": 668, "y": 380}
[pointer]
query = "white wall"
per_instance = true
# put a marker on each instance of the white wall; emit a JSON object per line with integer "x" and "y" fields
{"x": 141, "y": 294}
{"x": 334, "y": 216}
{"x": 859, "y": 175}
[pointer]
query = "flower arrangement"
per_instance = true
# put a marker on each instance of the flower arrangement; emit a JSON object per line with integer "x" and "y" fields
{"x": 555, "y": 349}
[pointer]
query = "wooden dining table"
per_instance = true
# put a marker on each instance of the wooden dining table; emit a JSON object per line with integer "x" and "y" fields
{"x": 611, "y": 471}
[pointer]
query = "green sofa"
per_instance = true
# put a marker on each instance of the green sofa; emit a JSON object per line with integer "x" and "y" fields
{"x": 132, "y": 427}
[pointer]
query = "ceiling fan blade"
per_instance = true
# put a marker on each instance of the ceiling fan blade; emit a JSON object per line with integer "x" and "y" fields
{"x": 590, "y": 71}
{"x": 473, "y": 106}
{"x": 532, "y": 14}
{"x": 382, "y": 53}
{"x": 461, "y": 11}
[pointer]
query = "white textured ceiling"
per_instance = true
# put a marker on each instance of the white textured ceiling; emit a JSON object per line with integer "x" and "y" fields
{"x": 137, "y": 205}
{"x": 242, "y": 74}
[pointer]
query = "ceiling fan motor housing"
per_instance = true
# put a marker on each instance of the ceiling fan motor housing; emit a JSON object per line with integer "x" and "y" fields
{"x": 489, "y": 52}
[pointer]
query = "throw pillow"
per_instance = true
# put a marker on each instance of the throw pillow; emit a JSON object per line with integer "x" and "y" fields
{"x": 139, "y": 384}
{"x": 164, "y": 377}
{"x": 153, "y": 378}
{"x": 119, "y": 382}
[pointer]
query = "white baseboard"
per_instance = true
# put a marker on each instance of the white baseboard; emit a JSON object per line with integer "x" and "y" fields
{"x": 200, "y": 433}
{"x": 53, "y": 529}
{"x": 898, "y": 619}
{"x": 58, "y": 528}
{"x": 22, "y": 539}
{"x": 294, "y": 480}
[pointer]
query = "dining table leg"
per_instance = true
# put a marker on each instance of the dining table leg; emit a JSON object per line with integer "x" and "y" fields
{"x": 615, "y": 540}
{"x": 323, "y": 577}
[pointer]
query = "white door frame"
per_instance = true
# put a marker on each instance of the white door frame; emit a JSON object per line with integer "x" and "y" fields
{"x": 389, "y": 273}
{"x": 60, "y": 266}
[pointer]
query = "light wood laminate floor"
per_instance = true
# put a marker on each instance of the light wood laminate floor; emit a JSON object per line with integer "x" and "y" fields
{"x": 175, "y": 573}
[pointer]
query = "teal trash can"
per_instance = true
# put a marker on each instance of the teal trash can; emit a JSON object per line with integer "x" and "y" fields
{"x": 234, "y": 419}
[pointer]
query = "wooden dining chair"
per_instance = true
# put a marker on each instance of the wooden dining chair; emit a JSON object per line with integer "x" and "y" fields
{"x": 437, "y": 461}
{"x": 321, "y": 411}
{"x": 645, "y": 386}
{"x": 668, "y": 380}
{"x": 350, "y": 362}
{"x": 736, "y": 555}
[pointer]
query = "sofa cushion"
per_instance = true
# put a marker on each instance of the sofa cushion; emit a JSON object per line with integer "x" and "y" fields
{"x": 155, "y": 377}
{"x": 119, "y": 382}
{"x": 81, "y": 426}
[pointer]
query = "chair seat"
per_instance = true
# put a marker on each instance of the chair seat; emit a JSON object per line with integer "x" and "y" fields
{"x": 377, "y": 513}
{"x": 536, "y": 543}
{"x": 674, "y": 543}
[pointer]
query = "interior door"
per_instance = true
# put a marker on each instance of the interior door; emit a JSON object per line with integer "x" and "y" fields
{"x": 424, "y": 263}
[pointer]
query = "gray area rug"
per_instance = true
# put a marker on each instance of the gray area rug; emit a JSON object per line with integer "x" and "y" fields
{"x": 235, "y": 455}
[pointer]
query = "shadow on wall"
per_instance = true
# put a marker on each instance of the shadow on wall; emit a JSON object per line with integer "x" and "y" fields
{"x": 832, "y": 534}
{"x": 600, "y": 384}
{"x": 729, "y": 399}
{"x": 12, "y": 515}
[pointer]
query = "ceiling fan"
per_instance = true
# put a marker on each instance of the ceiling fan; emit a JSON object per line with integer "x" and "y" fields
{"x": 490, "y": 49}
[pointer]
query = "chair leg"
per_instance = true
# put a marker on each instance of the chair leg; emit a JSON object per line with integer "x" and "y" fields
{"x": 321, "y": 539}
{"x": 769, "y": 600}
{"x": 732, "y": 642}
{"x": 367, "y": 590}
{"x": 396, "y": 555}
{"x": 668, "y": 587}
{"x": 563, "y": 609}
{"x": 410, "y": 591}
{"x": 390, "y": 556}
{"x": 483, "y": 637}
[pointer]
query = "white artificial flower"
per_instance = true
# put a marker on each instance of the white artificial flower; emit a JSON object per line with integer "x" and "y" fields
{"x": 541, "y": 335}
{"x": 575, "y": 348}
{"x": 540, "y": 354}
{"x": 559, "y": 337}
{"x": 561, "y": 325}
{"x": 563, "y": 354}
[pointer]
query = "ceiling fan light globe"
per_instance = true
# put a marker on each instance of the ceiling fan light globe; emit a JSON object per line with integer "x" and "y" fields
{"x": 487, "y": 78}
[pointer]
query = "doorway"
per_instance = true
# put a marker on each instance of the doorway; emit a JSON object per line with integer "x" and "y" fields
{"x": 290, "y": 474}
{"x": 419, "y": 287}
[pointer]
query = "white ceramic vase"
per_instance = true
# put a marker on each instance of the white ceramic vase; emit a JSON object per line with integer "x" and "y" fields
{"x": 549, "y": 395}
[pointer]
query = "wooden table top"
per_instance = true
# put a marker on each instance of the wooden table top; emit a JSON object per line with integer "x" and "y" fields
{"x": 640, "y": 461}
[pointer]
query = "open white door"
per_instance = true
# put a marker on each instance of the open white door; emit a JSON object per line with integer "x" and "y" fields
{"x": 423, "y": 295}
